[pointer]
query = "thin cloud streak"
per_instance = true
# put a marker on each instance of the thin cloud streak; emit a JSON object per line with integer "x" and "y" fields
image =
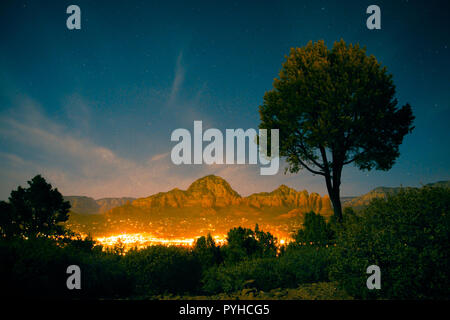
{"x": 178, "y": 79}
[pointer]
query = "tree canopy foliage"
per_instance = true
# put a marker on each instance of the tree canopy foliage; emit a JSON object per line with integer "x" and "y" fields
{"x": 244, "y": 243}
{"x": 315, "y": 230}
{"x": 35, "y": 211}
{"x": 335, "y": 107}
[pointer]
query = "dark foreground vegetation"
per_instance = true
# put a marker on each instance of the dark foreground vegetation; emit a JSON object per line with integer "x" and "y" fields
{"x": 406, "y": 235}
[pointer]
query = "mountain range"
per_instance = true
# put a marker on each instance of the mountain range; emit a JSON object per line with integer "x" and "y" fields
{"x": 87, "y": 205}
{"x": 209, "y": 204}
{"x": 207, "y": 192}
{"x": 382, "y": 192}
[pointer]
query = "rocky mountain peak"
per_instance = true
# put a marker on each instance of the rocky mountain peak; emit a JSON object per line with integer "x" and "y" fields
{"x": 284, "y": 190}
{"x": 212, "y": 184}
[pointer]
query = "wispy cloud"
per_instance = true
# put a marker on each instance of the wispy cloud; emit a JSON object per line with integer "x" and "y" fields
{"x": 184, "y": 107}
{"x": 177, "y": 80}
{"x": 160, "y": 156}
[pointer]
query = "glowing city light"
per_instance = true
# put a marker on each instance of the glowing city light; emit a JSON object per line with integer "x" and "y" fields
{"x": 143, "y": 240}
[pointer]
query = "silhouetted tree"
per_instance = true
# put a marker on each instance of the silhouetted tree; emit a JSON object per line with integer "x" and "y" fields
{"x": 266, "y": 241}
{"x": 241, "y": 244}
{"x": 245, "y": 243}
{"x": 206, "y": 250}
{"x": 35, "y": 211}
{"x": 335, "y": 107}
{"x": 315, "y": 229}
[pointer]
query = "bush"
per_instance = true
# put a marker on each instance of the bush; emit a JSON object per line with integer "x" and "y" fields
{"x": 296, "y": 266}
{"x": 261, "y": 273}
{"x": 304, "y": 264}
{"x": 244, "y": 243}
{"x": 37, "y": 268}
{"x": 315, "y": 229}
{"x": 160, "y": 269}
{"x": 207, "y": 252}
{"x": 407, "y": 236}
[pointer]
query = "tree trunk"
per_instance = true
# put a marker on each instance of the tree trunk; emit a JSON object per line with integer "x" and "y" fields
{"x": 334, "y": 193}
{"x": 336, "y": 201}
{"x": 333, "y": 180}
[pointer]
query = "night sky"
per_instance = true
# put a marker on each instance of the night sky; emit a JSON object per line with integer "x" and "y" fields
{"x": 92, "y": 110}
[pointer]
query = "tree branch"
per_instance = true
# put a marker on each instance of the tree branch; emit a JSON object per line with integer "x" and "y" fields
{"x": 309, "y": 169}
{"x": 354, "y": 158}
{"x": 321, "y": 166}
{"x": 302, "y": 163}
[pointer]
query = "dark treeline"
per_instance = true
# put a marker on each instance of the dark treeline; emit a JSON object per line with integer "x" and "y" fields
{"x": 406, "y": 235}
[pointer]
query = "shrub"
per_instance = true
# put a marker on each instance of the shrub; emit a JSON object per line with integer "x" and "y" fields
{"x": 207, "y": 252}
{"x": 407, "y": 236}
{"x": 160, "y": 269}
{"x": 296, "y": 266}
{"x": 304, "y": 264}
{"x": 244, "y": 243}
{"x": 37, "y": 268}
{"x": 315, "y": 229}
{"x": 262, "y": 273}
